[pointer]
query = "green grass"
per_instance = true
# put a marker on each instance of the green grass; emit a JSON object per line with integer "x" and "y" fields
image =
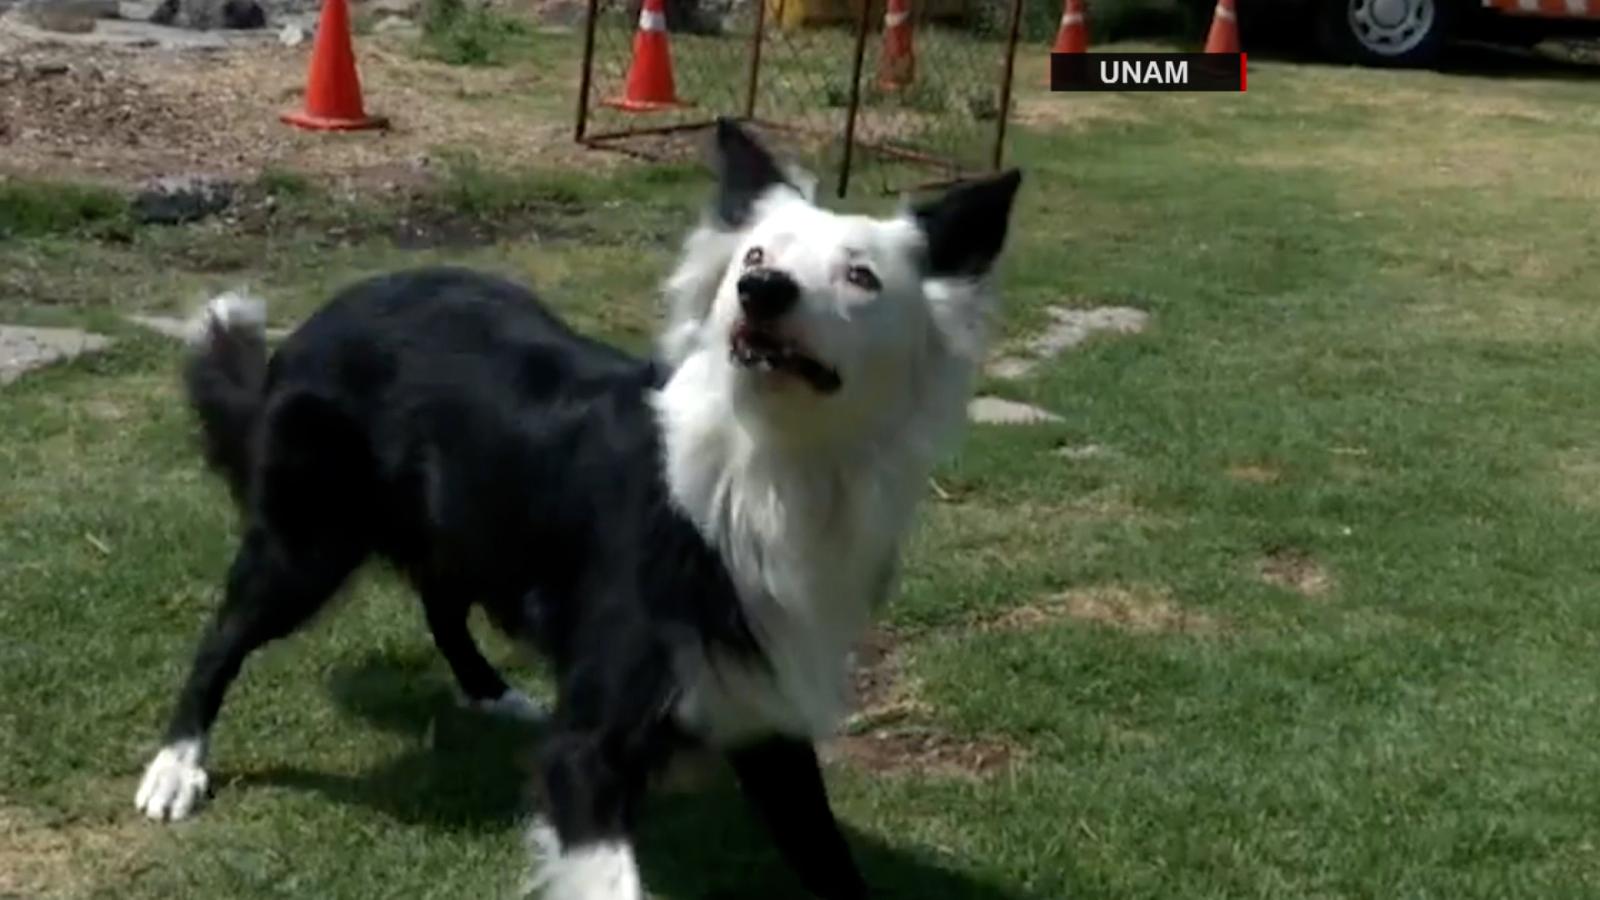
{"x": 471, "y": 34}
{"x": 1374, "y": 287}
{"x": 30, "y": 208}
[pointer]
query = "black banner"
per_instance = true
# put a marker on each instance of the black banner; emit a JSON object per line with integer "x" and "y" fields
{"x": 1147, "y": 71}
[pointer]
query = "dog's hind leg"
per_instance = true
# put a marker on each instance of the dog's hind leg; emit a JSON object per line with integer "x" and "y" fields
{"x": 783, "y": 784}
{"x": 482, "y": 686}
{"x": 271, "y": 591}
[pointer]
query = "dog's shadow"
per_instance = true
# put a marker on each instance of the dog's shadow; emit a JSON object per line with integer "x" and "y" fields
{"x": 471, "y": 772}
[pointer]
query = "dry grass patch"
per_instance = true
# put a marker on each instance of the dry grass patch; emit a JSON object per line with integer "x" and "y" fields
{"x": 891, "y": 731}
{"x": 1295, "y": 571}
{"x": 39, "y": 860}
{"x": 1578, "y": 475}
{"x": 1511, "y": 318}
{"x": 884, "y": 691}
{"x": 1141, "y": 610}
{"x": 1084, "y": 112}
{"x": 924, "y": 751}
{"x": 1255, "y": 474}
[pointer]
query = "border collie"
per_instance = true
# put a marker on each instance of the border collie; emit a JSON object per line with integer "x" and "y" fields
{"x": 695, "y": 540}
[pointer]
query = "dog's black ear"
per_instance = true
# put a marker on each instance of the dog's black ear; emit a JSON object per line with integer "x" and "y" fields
{"x": 966, "y": 226}
{"x": 745, "y": 170}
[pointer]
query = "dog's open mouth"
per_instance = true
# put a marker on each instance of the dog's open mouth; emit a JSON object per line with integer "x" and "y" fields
{"x": 755, "y": 347}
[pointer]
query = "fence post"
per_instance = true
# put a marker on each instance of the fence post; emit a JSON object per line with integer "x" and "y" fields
{"x": 585, "y": 77}
{"x": 855, "y": 97}
{"x": 755, "y": 58}
{"x": 1005, "y": 86}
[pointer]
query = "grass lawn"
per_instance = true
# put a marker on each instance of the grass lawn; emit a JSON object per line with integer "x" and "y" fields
{"x": 1318, "y": 620}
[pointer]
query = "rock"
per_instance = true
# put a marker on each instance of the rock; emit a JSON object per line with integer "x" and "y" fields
{"x": 390, "y": 24}
{"x": 67, "y": 16}
{"x": 23, "y": 349}
{"x": 292, "y": 36}
{"x": 205, "y": 15}
{"x": 996, "y": 411}
{"x": 174, "y": 201}
{"x": 242, "y": 14}
{"x": 406, "y": 8}
{"x": 1082, "y": 452}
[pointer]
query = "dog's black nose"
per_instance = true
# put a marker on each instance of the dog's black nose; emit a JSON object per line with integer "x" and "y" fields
{"x": 766, "y": 294}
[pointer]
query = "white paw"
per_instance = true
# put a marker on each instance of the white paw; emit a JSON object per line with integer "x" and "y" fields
{"x": 513, "y": 704}
{"x": 601, "y": 871}
{"x": 174, "y": 784}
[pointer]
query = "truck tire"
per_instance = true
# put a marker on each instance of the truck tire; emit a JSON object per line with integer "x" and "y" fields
{"x": 1385, "y": 33}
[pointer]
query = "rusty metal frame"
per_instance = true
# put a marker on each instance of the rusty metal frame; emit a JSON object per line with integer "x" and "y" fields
{"x": 851, "y": 149}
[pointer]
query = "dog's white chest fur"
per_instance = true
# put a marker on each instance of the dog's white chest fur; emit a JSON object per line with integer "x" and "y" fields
{"x": 810, "y": 544}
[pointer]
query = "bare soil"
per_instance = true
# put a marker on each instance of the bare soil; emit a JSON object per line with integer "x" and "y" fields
{"x": 1295, "y": 571}
{"x": 123, "y": 115}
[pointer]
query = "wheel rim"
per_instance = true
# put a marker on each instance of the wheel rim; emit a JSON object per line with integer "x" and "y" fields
{"x": 1391, "y": 27}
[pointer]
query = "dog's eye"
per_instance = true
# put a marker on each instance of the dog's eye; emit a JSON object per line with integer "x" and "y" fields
{"x": 753, "y": 256}
{"x": 862, "y": 277}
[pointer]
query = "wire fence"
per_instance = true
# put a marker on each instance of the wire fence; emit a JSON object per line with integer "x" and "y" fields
{"x": 813, "y": 76}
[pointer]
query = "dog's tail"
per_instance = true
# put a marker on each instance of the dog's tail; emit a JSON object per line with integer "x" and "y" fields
{"x": 224, "y": 378}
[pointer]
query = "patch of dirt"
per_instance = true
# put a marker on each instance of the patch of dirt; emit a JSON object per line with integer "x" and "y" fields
{"x": 1295, "y": 571}
{"x": 1136, "y": 611}
{"x": 923, "y": 751}
{"x": 1255, "y": 474}
{"x": 418, "y": 222}
{"x": 883, "y": 691}
{"x": 890, "y": 732}
{"x": 41, "y": 860}
{"x": 1080, "y": 111}
{"x": 124, "y": 115}
{"x": 1579, "y": 472}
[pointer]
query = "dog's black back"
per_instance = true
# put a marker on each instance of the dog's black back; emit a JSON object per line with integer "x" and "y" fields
{"x": 445, "y": 420}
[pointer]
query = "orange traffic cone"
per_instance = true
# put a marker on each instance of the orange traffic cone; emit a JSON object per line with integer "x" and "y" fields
{"x": 1224, "y": 36}
{"x": 333, "y": 89}
{"x": 1073, "y": 35}
{"x": 650, "y": 83}
{"x": 897, "y": 66}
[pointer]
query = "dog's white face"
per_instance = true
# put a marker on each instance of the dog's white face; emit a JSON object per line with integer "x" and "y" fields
{"x": 819, "y": 311}
{"x": 818, "y": 325}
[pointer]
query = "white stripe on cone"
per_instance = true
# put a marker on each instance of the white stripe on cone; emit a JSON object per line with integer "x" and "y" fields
{"x": 896, "y": 19}
{"x": 1223, "y": 12}
{"x": 650, "y": 20}
{"x": 1072, "y": 19}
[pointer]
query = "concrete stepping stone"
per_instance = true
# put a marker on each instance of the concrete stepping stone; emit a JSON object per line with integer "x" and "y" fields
{"x": 1070, "y": 327}
{"x": 178, "y": 329}
{"x": 998, "y": 411}
{"x": 23, "y": 348}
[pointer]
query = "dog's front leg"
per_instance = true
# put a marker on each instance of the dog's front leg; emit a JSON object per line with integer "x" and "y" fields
{"x": 783, "y": 783}
{"x": 584, "y": 850}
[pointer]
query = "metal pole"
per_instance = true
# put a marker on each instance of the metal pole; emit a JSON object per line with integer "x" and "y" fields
{"x": 588, "y": 67}
{"x": 755, "y": 59}
{"x": 1005, "y": 86}
{"x": 855, "y": 96}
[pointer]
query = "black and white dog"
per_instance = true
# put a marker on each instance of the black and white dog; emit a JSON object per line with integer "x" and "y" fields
{"x": 695, "y": 541}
